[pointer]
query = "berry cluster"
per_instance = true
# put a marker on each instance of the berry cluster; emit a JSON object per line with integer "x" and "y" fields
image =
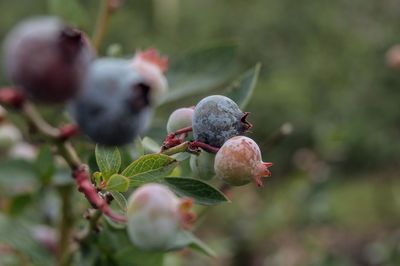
{"x": 218, "y": 126}
{"x": 110, "y": 99}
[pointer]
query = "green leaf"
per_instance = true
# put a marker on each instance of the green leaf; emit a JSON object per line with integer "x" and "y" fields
{"x": 139, "y": 147}
{"x": 241, "y": 90}
{"x": 17, "y": 177}
{"x": 118, "y": 183}
{"x": 71, "y": 11}
{"x": 17, "y": 233}
{"x": 118, "y": 205}
{"x": 19, "y": 203}
{"x": 108, "y": 160}
{"x": 44, "y": 164}
{"x": 149, "y": 168}
{"x": 120, "y": 201}
{"x": 186, "y": 238}
{"x": 201, "y": 192}
{"x": 200, "y": 70}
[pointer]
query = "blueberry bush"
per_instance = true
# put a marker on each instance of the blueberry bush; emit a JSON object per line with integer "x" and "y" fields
{"x": 104, "y": 192}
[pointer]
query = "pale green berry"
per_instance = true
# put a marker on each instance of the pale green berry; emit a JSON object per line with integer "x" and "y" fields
{"x": 153, "y": 217}
{"x": 202, "y": 165}
{"x": 180, "y": 118}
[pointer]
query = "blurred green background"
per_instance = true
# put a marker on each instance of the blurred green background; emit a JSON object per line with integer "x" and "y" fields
{"x": 334, "y": 198}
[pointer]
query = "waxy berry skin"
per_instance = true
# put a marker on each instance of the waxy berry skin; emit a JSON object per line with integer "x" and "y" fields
{"x": 155, "y": 216}
{"x": 216, "y": 119}
{"x": 180, "y": 118}
{"x": 113, "y": 106}
{"x": 239, "y": 162}
{"x": 47, "y": 59}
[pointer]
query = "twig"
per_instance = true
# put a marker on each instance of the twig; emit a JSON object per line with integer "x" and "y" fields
{"x": 60, "y": 138}
{"x": 66, "y": 225}
{"x": 107, "y": 7}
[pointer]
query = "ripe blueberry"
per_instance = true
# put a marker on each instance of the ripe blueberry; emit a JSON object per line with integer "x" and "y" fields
{"x": 179, "y": 119}
{"x": 47, "y": 59}
{"x": 202, "y": 165}
{"x": 239, "y": 161}
{"x": 216, "y": 119}
{"x": 113, "y": 105}
{"x": 155, "y": 216}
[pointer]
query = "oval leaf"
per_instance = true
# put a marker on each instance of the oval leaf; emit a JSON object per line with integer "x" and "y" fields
{"x": 240, "y": 90}
{"x": 201, "y": 192}
{"x": 185, "y": 238}
{"x": 118, "y": 183}
{"x": 200, "y": 70}
{"x": 108, "y": 159}
{"x": 149, "y": 168}
{"x": 118, "y": 205}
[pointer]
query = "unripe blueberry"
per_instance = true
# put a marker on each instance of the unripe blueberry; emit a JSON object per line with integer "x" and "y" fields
{"x": 216, "y": 119}
{"x": 46, "y": 58}
{"x": 155, "y": 216}
{"x": 202, "y": 165}
{"x": 113, "y": 105}
{"x": 9, "y": 136}
{"x": 239, "y": 161}
{"x": 23, "y": 151}
{"x": 179, "y": 119}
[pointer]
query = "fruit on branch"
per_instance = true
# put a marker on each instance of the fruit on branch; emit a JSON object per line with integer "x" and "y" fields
{"x": 202, "y": 165}
{"x": 151, "y": 66}
{"x": 155, "y": 217}
{"x": 114, "y": 104}
{"x": 180, "y": 118}
{"x": 9, "y": 136}
{"x": 216, "y": 119}
{"x": 47, "y": 59}
{"x": 239, "y": 162}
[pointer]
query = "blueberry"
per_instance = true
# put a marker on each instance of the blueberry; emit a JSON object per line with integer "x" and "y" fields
{"x": 155, "y": 217}
{"x": 113, "y": 106}
{"x": 239, "y": 161}
{"x": 216, "y": 119}
{"x": 47, "y": 59}
{"x": 179, "y": 119}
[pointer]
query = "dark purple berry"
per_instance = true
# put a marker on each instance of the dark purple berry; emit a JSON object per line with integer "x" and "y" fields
{"x": 114, "y": 104}
{"x": 216, "y": 119}
{"x": 47, "y": 59}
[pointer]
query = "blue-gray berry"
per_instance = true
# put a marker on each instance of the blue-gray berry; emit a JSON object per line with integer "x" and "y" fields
{"x": 216, "y": 119}
{"x": 113, "y": 106}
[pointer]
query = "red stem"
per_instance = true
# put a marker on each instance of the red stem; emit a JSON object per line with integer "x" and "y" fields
{"x": 197, "y": 144}
{"x": 82, "y": 179}
{"x": 183, "y": 130}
